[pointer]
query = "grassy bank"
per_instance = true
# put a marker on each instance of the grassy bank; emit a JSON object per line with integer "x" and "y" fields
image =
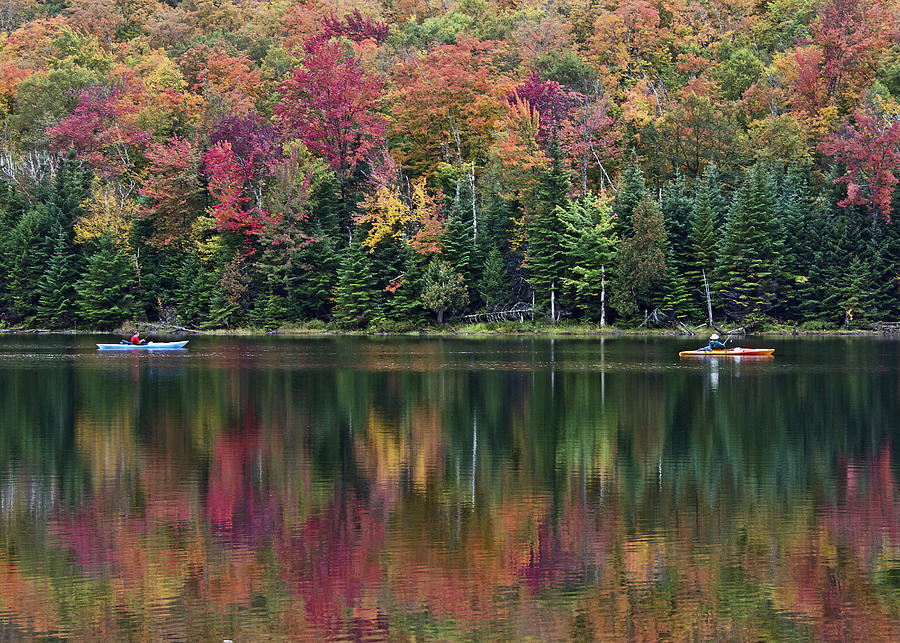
{"x": 527, "y": 328}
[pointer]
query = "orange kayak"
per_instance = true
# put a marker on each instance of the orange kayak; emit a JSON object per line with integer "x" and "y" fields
{"x": 730, "y": 352}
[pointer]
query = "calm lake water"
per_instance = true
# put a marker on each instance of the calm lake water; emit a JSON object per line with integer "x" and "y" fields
{"x": 448, "y": 489}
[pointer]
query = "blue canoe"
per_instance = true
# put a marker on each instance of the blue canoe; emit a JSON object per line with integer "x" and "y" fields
{"x": 137, "y": 347}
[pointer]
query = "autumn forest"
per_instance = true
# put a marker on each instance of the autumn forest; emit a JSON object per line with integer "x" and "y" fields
{"x": 391, "y": 165}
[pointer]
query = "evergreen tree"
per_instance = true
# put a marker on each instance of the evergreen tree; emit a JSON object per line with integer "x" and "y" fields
{"x": 748, "y": 274}
{"x": 30, "y": 248}
{"x": 104, "y": 289}
{"x": 880, "y": 251}
{"x": 357, "y": 295}
{"x": 677, "y": 208}
{"x": 631, "y": 191}
{"x": 641, "y": 262}
{"x": 855, "y": 295}
{"x": 443, "y": 288}
{"x": 402, "y": 294}
{"x": 195, "y": 288}
{"x": 546, "y": 255}
{"x": 316, "y": 266}
{"x": 800, "y": 216}
{"x": 56, "y": 305}
{"x": 494, "y": 285}
{"x": 71, "y": 186}
{"x": 458, "y": 245}
{"x": 677, "y": 298}
{"x": 704, "y": 236}
{"x": 590, "y": 244}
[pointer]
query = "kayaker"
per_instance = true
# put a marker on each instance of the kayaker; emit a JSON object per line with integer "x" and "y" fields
{"x": 135, "y": 339}
{"x": 715, "y": 344}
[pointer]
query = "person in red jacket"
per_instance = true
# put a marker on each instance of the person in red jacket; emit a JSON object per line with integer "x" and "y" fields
{"x": 135, "y": 339}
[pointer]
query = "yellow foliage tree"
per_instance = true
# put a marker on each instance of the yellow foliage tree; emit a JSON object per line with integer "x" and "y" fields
{"x": 108, "y": 211}
{"x": 390, "y": 217}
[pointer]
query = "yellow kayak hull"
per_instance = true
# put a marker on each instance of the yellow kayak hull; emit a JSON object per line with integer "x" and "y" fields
{"x": 730, "y": 352}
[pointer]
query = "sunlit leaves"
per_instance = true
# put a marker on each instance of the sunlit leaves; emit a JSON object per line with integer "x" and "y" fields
{"x": 390, "y": 217}
{"x": 110, "y": 213}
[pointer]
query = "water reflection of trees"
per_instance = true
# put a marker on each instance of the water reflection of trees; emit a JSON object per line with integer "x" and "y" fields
{"x": 239, "y": 503}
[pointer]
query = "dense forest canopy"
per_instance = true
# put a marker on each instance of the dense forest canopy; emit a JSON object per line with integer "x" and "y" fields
{"x": 386, "y": 164}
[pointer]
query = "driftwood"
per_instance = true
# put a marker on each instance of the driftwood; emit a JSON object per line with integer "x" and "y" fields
{"x": 886, "y": 327}
{"x": 515, "y": 313}
{"x": 164, "y": 327}
{"x": 684, "y": 328}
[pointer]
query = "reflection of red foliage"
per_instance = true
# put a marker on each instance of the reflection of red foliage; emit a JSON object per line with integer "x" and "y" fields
{"x": 548, "y": 565}
{"x": 99, "y": 537}
{"x": 239, "y": 510}
{"x": 863, "y": 525}
{"x": 866, "y": 516}
{"x": 331, "y": 562}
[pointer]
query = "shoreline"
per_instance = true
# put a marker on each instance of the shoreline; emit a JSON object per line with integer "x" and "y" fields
{"x": 472, "y": 330}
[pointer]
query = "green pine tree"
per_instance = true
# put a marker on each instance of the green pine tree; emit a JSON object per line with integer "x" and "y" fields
{"x": 881, "y": 248}
{"x": 30, "y": 247}
{"x": 677, "y": 209}
{"x": 641, "y": 263}
{"x": 856, "y": 298}
{"x": 357, "y": 295}
{"x": 677, "y": 300}
{"x": 590, "y": 244}
{"x": 194, "y": 288}
{"x": 800, "y": 216}
{"x": 56, "y": 305}
{"x": 494, "y": 285}
{"x": 402, "y": 295}
{"x": 704, "y": 235}
{"x": 104, "y": 289}
{"x": 458, "y": 245}
{"x": 748, "y": 272}
{"x": 546, "y": 255}
{"x": 631, "y": 191}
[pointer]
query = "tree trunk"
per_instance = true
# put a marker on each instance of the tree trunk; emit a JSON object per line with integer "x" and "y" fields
{"x": 474, "y": 211}
{"x": 602, "y": 296}
{"x": 553, "y": 301}
{"x": 440, "y": 317}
